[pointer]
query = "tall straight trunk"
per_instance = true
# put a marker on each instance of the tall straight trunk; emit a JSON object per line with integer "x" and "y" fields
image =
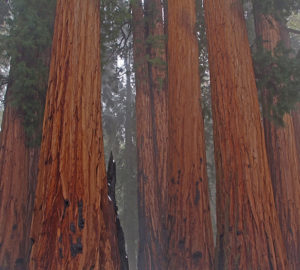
{"x": 130, "y": 219}
{"x": 73, "y": 227}
{"x": 249, "y": 235}
{"x": 190, "y": 242}
{"x": 282, "y": 154}
{"x": 151, "y": 114}
{"x": 18, "y": 174}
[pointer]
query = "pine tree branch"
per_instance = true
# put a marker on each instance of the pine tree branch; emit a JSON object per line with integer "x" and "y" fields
{"x": 294, "y": 31}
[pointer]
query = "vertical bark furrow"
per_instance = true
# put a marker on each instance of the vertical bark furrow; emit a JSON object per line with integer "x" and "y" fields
{"x": 249, "y": 235}
{"x": 190, "y": 243}
{"x": 282, "y": 154}
{"x": 72, "y": 212}
{"x": 151, "y": 112}
{"x": 18, "y": 174}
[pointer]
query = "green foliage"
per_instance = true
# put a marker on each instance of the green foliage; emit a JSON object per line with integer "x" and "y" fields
{"x": 157, "y": 42}
{"x": 278, "y": 79}
{"x": 115, "y": 29}
{"x": 294, "y": 23}
{"x": 4, "y": 11}
{"x": 156, "y": 61}
{"x": 4, "y": 59}
{"x": 281, "y": 9}
{"x": 118, "y": 107}
{"x": 28, "y": 46}
{"x": 155, "y": 46}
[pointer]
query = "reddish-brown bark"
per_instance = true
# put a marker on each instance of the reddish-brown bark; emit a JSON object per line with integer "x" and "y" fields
{"x": 152, "y": 132}
{"x": 282, "y": 155}
{"x": 249, "y": 235}
{"x": 73, "y": 225}
{"x": 18, "y": 174}
{"x": 190, "y": 241}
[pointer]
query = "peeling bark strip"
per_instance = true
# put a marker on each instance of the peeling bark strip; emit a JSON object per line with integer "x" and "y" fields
{"x": 190, "y": 243}
{"x": 282, "y": 155}
{"x": 249, "y": 235}
{"x": 18, "y": 175}
{"x": 71, "y": 215}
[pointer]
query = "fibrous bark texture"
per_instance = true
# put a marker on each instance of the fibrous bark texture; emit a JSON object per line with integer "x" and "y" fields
{"x": 72, "y": 215}
{"x": 152, "y": 133}
{"x": 190, "y": 241}
{"x": 18, "y": 174}
{"x": 282, "y": 155}
{"x": 249, "y": 235}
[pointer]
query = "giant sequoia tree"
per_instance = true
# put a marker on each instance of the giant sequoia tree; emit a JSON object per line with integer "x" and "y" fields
{"x": 281, "y": 150}
{"x": 151, "y": 114}
{"x": 190, "y": 241}
{"x": 249, "y": 235}
{"x": 72, "y": 226}
{"x": 18, "y": 170}
{"x": 28, "y": 48}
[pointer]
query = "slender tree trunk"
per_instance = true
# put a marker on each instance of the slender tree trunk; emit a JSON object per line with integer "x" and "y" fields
{"x": 18, "y": 174}
{"x": 190, "y": 243}
{"x": 157, "y": 73}
{"x": 249, "y": 235}
{"x": 282, "y": 155}
{"x": 151, "y": 113}
{"x": 72, "y": 215}
{"x": 130, "y": 186}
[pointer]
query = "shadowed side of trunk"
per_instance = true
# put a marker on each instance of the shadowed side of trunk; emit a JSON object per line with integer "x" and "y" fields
{"x": 249, "y": 235}
{"x": 282, "y": 154}
{"x": 151, "y": 113}
{"x": 18, "y": 175}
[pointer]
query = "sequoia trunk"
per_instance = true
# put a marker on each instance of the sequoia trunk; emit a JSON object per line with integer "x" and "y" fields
{"x": 18, "y": 171}
{"x": 151, "y": 113}
{"x": 190, "y": 242}
{"x": 72, "y": 215}
{"x": 282, "y": 155}
{"x": 249, "y": 235}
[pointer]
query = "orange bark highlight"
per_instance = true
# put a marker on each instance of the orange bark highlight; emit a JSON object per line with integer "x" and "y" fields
{"x": 72, "y": 226}
{"x": 190, "y": 241}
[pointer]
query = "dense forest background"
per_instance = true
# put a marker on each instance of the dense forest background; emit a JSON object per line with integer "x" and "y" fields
{"x": 156, "y": 122}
